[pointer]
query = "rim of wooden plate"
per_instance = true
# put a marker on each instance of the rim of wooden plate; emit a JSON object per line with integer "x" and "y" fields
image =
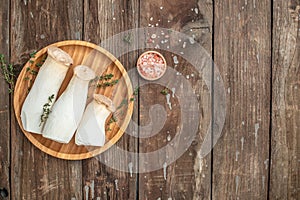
{"x": 85, "y": 155}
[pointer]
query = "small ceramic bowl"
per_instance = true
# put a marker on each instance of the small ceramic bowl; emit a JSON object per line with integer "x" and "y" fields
{"x": 151, "y": 65}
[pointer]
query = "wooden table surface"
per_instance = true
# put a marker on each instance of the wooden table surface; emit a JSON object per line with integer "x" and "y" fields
{"x": 255, "y": 45}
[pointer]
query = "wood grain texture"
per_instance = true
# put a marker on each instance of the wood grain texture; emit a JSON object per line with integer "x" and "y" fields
{"x": 242, "y": 52}
{"x": 285, "y": 149}
{"x": 188, "y": 177}
{"x": 102, "y": 20}
{"x": 4, "y": 106}
{"x": 35, "y": 175}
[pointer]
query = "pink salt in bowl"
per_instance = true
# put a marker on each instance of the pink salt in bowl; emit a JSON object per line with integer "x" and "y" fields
{"x": 151, "y": 65}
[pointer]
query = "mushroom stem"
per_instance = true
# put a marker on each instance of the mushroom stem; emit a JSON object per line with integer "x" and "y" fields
{"x": 91, "y": 130}
{"x": 46, "y": 84}
{"x": 68, "y": 110}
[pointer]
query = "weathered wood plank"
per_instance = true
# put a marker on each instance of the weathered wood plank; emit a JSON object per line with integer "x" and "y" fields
{"x": 188, "y": 177}
{"x": 242, "y": 52}
{"x": 103, "y": 19}
{"x": 285, "y": 149}
{"x": 35, "y": 175}
{"x": 4, "y": 106}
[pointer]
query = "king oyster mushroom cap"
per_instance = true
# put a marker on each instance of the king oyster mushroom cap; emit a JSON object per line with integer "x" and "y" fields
{"x": 91, "y": 130}
{"x": 101, "y": 99}
{"x": 46, "y": 84}
{"x": 84, "y": 72}
{"x": 60, "y": 56}
{"x": 69, "y": 108}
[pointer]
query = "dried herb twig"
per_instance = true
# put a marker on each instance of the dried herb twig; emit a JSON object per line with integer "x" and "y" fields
{"x": 108, "y": 83}
{"x": 46, "y": 109}
{"x": 128, "y": 38}
{"x": 8, "y": 73}
{"x": 113, "y": 119}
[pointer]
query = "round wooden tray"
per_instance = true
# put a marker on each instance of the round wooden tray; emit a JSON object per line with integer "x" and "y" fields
{"x": 93, "y": 56}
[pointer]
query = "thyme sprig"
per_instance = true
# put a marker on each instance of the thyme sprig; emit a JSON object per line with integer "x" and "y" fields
{"x": 32, "y": 55}
{"x": 128, "y": 38}
{"x": 32, "y": 71}
{"x": 113, "y": 119}
{"x": 108, "y": 83}
{"x": 120, "y": 112}
{"x": 105, "y": 80}
{"x": 46, "y": 109}
{"x": 135, "y": 93}
{"x": 8, "y": 73}
{"x": 106, "y": 77}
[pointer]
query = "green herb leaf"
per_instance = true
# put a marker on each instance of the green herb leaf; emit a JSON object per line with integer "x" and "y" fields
{"x": 136, "y": 91}
{"x": 38, "y": 65}
{"x": 33, "y": 72}
{"x": 8, "y": 73}
{"x": 32, "y": 55}
{"x": 164, "y": 91}
{"x": 46, "y": 109}
{"x": 107, "y": 84}
{"x": 128, "y": 38}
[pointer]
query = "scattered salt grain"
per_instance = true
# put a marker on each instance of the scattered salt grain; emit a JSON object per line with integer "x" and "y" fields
{"x": 173, "y": 92}
{"x": 184, "y": 45}
{"x": 196, "y": 11}
{"x": 161, "y": 7}
{"x": 116, "y": 184}
{"x": 153, "y": 36}
{"x": 191, "y": 40}
{"x": 130, "y": 166}
{"x": 169, "y": 138}
{"x": 165, "y": 170}
{"x": 175, "y": 60}
{"x": 151, "y": 18}
{"x": 168, "y": 101}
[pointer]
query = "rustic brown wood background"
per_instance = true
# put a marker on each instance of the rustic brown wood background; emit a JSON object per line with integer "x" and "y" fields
{"x": 254, "y": 43}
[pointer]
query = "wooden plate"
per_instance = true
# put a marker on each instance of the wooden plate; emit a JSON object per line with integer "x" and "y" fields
{"x": 95, "y": 57}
